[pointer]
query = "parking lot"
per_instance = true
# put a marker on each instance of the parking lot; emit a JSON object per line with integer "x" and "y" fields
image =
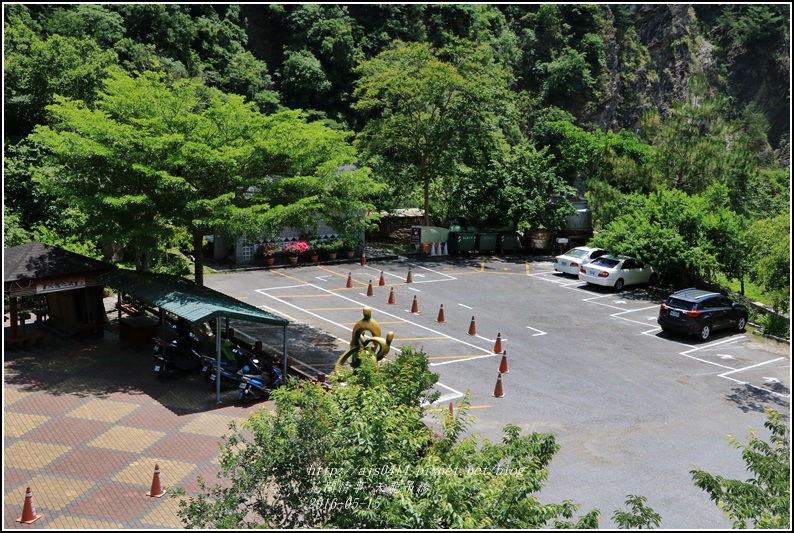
{"x": 632, "y": 408}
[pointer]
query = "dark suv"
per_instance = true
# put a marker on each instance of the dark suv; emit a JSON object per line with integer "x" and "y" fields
{"x": 700, "y": 312}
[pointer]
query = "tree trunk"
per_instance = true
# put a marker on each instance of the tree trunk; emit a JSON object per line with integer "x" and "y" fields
{"x": 198, "y": 241}
{"x": 427, "y": 201}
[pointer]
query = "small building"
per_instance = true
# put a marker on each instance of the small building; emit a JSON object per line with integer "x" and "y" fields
{"x": 60, "y": 285}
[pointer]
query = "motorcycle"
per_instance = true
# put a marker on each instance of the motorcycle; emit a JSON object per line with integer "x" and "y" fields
{"x": 258, "y": 386}
{"x": 232, "y": 360}
{"x": 175, "y": 361}
{"x": 176, "y": 357}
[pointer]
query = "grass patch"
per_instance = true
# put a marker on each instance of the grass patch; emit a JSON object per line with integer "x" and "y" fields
{"x": 751, "y": 290}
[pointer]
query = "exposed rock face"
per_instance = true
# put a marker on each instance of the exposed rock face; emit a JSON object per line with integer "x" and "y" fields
{"x": 676, "y": 54}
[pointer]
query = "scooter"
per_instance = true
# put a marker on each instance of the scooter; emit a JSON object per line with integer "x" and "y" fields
{"x": 259, "y": 386}
{"x": 175, "y": 361}
{"x": 228, "y": 365}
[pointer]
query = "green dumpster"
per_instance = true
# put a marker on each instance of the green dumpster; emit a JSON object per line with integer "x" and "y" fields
{"x": 460, "y": 241}
{"x": 507, "y": 241}
{"x": 486, "y": 242}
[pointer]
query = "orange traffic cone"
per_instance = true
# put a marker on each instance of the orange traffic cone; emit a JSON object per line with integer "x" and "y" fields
{"x": 503, "y": 365}
{"x": 363, "y": 259}
{"x": 382, "y": 281}
{"x": 414, "y": 306}
{"x": 349, "y": 280}
{"x": 472, "y": 328}
{"x": 156, "y": 491}
{"x": 369, "y": 289}
{"x": 391, "y": 297}
{"x": 408, "y": 279}
{"x": 29, "y": 510}
{"x": 497, "y": 392}
{"x": 497, "y": 348}
{"x": 441, "y": 314}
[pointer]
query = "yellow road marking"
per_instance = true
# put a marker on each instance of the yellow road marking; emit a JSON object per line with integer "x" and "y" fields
{"x": 379, "y": 322}
{"x": 291, "y": 277}
{"x": 455, "y": 356}
{"x": 341, "y": 275}
{"x": 317, "y": 295}
{"x": 334, "y": 308}
{"x": 526, "y": 264}
{"x": 419, "y": 338}
{"x": 470, "y": 407}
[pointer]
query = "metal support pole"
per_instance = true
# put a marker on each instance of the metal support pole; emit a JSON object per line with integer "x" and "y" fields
{"x": 162, "y": 331}
{"x": 218, "y": 361}
{"x": 285, "y": 354}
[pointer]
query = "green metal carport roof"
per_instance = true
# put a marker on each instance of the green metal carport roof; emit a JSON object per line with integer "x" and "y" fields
{"x": 184, "y": 298}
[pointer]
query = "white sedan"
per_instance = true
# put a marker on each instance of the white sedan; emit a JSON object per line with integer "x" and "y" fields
{"x": 575, "y": 258}
{"x": 617, "y": 271}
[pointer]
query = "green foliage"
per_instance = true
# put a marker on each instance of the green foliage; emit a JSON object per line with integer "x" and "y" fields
{"x": 764, "y": 500}
{"x": 360, "y": 456}
{"x": 153, "y": 157}
{"x": 676, "y": 232}
{"x": 517, "y": 190}
{"x": 429, "y": 117}
{"x": 771, "y": 248}
{"x": 37, "y": 69}
{"x": 640, "y": 516}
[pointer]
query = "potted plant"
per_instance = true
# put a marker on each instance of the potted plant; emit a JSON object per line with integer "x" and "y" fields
{"x": 267, "y": 251}
{"x": 294, "y": 249}
{"x": 349, "y": 245}
{"x": 330, "y": 248}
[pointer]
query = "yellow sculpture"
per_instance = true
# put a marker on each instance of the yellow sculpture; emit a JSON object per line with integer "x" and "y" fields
{"x": 380, "y": 346}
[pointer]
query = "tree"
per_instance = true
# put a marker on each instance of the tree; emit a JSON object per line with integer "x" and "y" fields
{"x": 359, "y": 455}
{"x": 152, "y": 157}
{"x": 771, "y": 249}
{"x": 428, "y": 116}
{"x": 764, "y": 500}
{"x": 676, "y": 232}
{"x": 517, "y": 190}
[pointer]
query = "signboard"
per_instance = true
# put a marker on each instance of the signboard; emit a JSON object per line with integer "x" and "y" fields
{"x": 416, "y": 235}
{"x": 61, "y": 284}
{"x": 562, "y": 240}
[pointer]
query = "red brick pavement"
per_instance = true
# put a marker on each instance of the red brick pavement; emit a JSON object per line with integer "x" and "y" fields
{"x": 85, "y": 421}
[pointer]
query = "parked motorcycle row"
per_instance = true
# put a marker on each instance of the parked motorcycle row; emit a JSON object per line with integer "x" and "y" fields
{"x": 182, "y": 355}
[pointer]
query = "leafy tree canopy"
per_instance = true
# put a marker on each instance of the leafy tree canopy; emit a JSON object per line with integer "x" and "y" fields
{"x": 361, "y": 456}
{"x": 764, "y": 500}
{"x": 150, "y": 157}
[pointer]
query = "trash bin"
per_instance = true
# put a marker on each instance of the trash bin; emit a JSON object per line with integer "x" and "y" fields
{"x": 486, "y": 242}
{"x": 507, "y": 241}
{"x": 460, "y": 241}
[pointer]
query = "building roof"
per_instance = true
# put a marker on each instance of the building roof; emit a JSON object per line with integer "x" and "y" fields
{"x": 36, "y": 260}
{"x": 185, "y": 299}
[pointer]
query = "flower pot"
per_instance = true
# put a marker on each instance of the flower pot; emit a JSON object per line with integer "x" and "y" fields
{"x": 332, "y": 256}
{"x": 293, "y": 259}
{"x": 270, "y": 261}
{"x": 314, "y": 258}
{"x": 350, "y": 254}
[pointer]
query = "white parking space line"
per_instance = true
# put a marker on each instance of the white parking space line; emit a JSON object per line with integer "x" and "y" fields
{"x": 466, "y": 306}
{"x": 747, "y": 383}
{"x": 435, "y": 272}
{"x": 374, "y": 309}
{"x": 448, "y": 397}
{"x": 698, "y": 348}
{"x": 279, "y": 313}
{"x": 538, "y": 334}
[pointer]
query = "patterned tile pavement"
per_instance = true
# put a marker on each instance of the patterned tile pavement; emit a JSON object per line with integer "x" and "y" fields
{"x": 84, "y": 423}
